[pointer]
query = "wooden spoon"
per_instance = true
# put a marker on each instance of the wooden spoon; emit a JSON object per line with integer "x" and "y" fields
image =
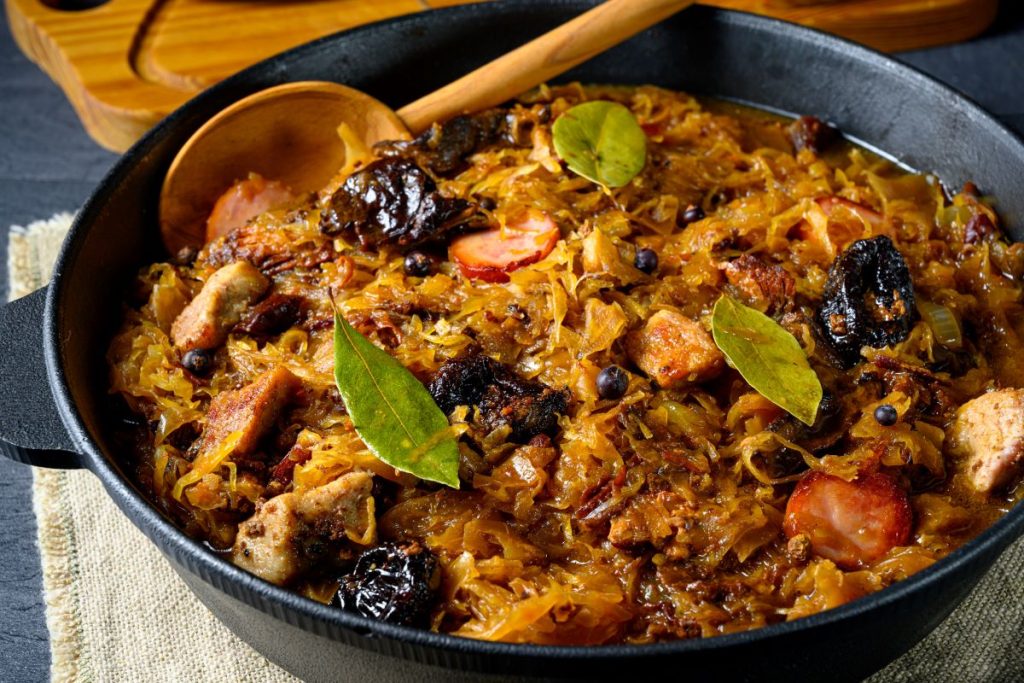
{"x": 289, "y": 132}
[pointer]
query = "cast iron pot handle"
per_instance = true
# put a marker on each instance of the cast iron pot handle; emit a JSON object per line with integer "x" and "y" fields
{"x": 30, "y": 428}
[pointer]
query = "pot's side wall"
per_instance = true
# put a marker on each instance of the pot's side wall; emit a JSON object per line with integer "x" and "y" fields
{"x": 848, "y": 651}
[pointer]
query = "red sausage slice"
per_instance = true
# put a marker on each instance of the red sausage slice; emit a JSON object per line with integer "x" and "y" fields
{"x": 243, "y": 201}
{"x": 492, "y": 254}
{"x": 852, "y": 523}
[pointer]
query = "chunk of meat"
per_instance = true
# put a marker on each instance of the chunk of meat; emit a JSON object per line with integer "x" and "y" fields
{"x": 492, "y": 254}
{"x": 245, "y": 200}
{"x": 291, "y": 532}
{"x": 852, "y": 523}
{"x": 674, "y": 350}
{"x": 206, "y": 321}
{"x": 764, "y": 286}
{"x": 394, "y": 201}
{"x": 251, "y": 410}
{"x": 989, "y": 432}
{"x": 528, "y": 407}
{"x": 272, "y": 250}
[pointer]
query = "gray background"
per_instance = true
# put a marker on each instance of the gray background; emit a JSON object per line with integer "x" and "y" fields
{"x": 48, "y": 164}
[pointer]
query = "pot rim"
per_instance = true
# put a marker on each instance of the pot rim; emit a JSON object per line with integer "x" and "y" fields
{"x": 324, "y": 620}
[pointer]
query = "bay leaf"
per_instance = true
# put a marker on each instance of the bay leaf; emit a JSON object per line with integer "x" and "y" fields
{"x": 601, "y": 141}
{"x": 768, "y": 357}
{"x": 393, "y": 413}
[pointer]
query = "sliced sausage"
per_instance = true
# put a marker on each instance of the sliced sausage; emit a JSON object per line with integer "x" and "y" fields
{"x": 492, "y": 254}
{"x": 674, "y": 350}
{"x": 291, "y": 532}
{"x": 852, "y": 523}
{"x": 989, "y": 432}
{"x": 243, "y": 201}
{"x": 207, "y": 320}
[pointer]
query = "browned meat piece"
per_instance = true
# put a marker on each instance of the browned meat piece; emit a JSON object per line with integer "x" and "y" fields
{"x": 674, "y": 350}
{"x": 206, "y": 321}
{"x": 810, "y": 132}
{"x": 527, "y": 406}
{"x": 273, "y": 315}
{"x": 272, "y": 251}
{"x": 443, "y": 149}
{"x": 766, "y": 287}
{"x": 394, "y": 201}
{"x": 251, "y": 410}
{"x": 989, "y": 433}
{"x": 291, "y": 532}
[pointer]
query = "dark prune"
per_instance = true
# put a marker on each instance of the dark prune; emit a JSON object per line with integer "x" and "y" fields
{"x": 868, "y": 299}
{"x": 394, "y": 582}
{"x": 443, "y": 149}
{"x": 462, "y": 381}
{"x": 810, "y": 132}
{"x": 394, "y": 201}
{"x": 527, "y": 406}
{"x": 827, "y": 429}
{"x": 273, "y": 315}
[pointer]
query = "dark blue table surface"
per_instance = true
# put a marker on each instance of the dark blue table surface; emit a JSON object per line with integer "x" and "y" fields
{"x": 48, "y": 164}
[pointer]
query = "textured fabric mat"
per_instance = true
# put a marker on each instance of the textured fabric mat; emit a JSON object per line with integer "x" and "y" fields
{"x": 117, "y": 612}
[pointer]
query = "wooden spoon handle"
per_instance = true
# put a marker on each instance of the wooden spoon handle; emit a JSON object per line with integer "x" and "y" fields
{"x": 541, "y": 59}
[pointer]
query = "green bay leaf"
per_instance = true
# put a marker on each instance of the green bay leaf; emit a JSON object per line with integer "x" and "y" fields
{"x": 768, "y": 357}
{"x": 601, "y": 141}
{"x": 393, "y": 413}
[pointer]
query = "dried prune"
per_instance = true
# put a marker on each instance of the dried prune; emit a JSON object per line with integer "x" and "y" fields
{"x": 394, "y": 201}
{"x": 394, "y": 582}
{"x": 527, "y": 406}
{"x": 273, "y": 315}
{"x": 443, "y": 149}
{"x": 868, "y": 299}
{"x": 827, "y": 429}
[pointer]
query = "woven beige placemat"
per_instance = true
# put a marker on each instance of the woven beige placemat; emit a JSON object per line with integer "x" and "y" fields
{"x": 117, "y": 612}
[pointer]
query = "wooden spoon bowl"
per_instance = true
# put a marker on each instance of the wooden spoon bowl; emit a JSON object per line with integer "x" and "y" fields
{"x": 295, "y": 121}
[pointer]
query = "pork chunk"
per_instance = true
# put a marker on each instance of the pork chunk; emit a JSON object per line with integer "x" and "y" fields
{"x": 290, "y": 532}
{"x": 206, "y": 321}
{"x": 767, "y": 287}
{"x": 251, "y": 410}
{"x": 989, "y": 432}
{"x": 674, "y": 350}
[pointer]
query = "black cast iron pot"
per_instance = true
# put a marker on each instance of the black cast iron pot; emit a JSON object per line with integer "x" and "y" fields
{"x": 52, "y": 343}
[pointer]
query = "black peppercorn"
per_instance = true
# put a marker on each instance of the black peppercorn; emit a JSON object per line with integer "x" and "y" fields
{"x": 646, "y": 260}
{"x": 886, "y": 415}
{"x": 418, "y": 264}
{"x": 612, "y": 382}
{"x": 692, "y": 214}
{"x": 198, "y": 361}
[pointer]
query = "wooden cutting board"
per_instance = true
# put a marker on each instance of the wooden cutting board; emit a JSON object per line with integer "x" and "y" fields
{"x": 124, "y": 64}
